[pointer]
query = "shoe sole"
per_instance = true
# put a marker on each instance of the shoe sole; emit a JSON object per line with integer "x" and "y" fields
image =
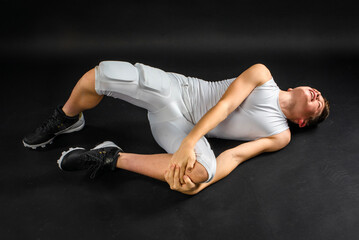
{"x": 64, "y": 153}
{"x": 106, "y": 144}
{"x": 79, "y": 125}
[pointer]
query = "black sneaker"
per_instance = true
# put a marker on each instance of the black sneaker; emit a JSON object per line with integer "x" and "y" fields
{"x": 55, "y": 125}
{"x": 103, "y": 156}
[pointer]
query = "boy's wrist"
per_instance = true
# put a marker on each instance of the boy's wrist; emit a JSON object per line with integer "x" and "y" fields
{"x": 188, "y": 143}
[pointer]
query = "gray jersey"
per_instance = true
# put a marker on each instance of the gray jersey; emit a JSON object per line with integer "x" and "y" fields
{"x": 258, "y": 116}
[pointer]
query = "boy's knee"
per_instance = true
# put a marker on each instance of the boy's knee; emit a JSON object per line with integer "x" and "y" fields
{"x": 198, "y": 174}
{"x": 89, "y": 76}
{"x": 87, "y": 81}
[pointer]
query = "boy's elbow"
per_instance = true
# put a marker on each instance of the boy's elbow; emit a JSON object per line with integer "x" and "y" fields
{"x": 260, "y": 67}
{"x": 191, "y": 193}
{"x": 260, "y": 72}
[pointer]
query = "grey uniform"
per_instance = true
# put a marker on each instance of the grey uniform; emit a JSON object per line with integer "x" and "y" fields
{"x": 175, "y": 103}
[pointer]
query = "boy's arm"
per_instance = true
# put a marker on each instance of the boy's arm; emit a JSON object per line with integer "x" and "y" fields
{"x": 231, "y": 99}
{"x": 229, "y": 160}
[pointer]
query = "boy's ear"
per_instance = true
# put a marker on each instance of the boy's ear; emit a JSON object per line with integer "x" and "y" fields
{"x": 302, "y": 123}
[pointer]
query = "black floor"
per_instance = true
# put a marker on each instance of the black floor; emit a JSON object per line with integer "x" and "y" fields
{"x": 309, "y": 190}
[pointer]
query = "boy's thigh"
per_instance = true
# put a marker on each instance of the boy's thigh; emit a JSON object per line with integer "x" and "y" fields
{"x": 144, "y": 86}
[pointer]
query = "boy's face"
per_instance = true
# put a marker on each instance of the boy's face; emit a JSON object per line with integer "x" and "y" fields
{"x": 309, "y": 102}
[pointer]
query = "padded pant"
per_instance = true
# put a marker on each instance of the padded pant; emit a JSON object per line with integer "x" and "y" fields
{"x": 160, "y": 93}
{"x": 124, "y": 81}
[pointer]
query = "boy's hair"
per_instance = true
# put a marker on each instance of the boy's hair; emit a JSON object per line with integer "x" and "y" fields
{"x": 322, "y": 116}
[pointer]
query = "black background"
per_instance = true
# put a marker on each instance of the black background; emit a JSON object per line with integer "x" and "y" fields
{"x": 309, "y": 190}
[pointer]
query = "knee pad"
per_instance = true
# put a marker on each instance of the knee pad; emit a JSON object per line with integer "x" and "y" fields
{"x": 154, "y": 80}
{"x": 119, "y": 71}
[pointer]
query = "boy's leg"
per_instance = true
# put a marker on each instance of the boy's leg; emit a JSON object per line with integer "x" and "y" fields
{"x": 155, "y": 165}
{"x": 151, "y": 165}
{"x": 108, "y": 155}
{"x": 68, "y": 118}
{"x": 83, "y": 96}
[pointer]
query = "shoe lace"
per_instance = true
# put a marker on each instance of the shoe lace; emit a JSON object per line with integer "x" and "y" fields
{"x": 51, "y": 123}
{"x": 95, "y": 161}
